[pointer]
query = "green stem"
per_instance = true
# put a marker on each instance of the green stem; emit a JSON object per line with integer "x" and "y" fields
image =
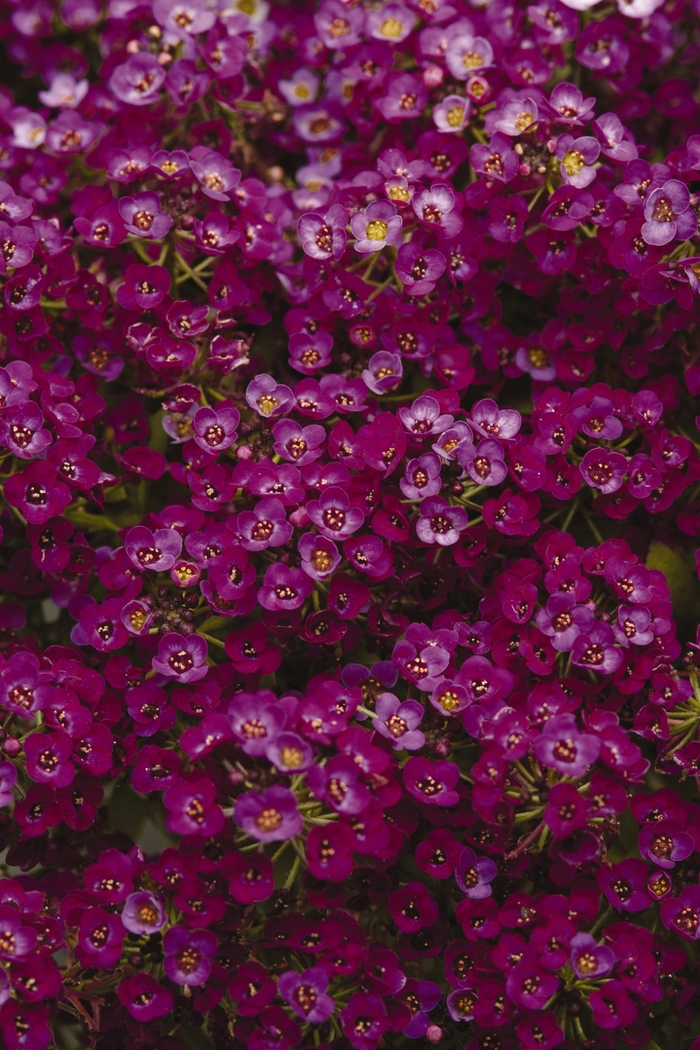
{"x": 212, "y": 639}
{"x": 289, "y": 881}
{"x": 603, "y": 919}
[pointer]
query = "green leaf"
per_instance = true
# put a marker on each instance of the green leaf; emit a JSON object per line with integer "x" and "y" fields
{"x": 678, "y": 567}
{"x": 193, "y": 1038}
{"x": 128, "y": 811}
{"x": 214, "y": 623}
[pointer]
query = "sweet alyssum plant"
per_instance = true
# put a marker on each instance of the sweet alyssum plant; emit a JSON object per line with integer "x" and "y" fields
{"x": 349, "y": 679}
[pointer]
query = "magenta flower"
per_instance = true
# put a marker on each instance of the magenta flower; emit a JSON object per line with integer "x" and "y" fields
{"x": 143, "y": 913}
{"x": 144, "y": 287}
{"x": 155, "y": 551}
{"x": 188, "y": 955}
{"x": 144, "y": 998}
{"x": 181, "y": 657}
{"x": 563, "y": 747}
{"x": 142, "y": 216}
{"x": 595, "y": 649}
{"x": 398, "y": 722}
{"x": 216, "y": 176}
{"x": 404, "y": 96}
{"x": 100, "y": 937}
{"x": 191, "y": 807}
{"x": 473, "y": 874}
{"x": 452, "y": 114}
{"x": 375, "y": 227}
{"x": 324, "y": 236}
{"x": 138, "y": 80}
{"x": 270, "y": 815}
{"x": 306, "y": 994}
{"x": 668, "y": 214}
{"x": 433, "y": 783}
{"x": 603, "y": 469}
{"x": 436, "y": 209}
{"x": 440, "y": 523}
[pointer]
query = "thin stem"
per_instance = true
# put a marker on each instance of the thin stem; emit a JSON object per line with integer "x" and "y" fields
{"x": 289, "y": 881}
{"x": 212, "y": 639}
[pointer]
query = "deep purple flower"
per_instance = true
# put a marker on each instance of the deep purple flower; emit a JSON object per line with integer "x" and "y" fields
{"x": 216, "y": 176}
{"x": 682, "y": 914}
{"x": 436, "y": 210}
{"x": 665, "y": 843}
{"x": 589, "y": 959}
{"x": 289, "y": 753}
{"x": 562, "y": 746}
{"x": 269, "y": 398}
{"x": 24, "y": 289}
{"x": 155, "y": 551}
{"x": 324, "y": 236}
{"x": 138, "y": 80}
{"x": 265, "y": 526}
{"x": 440, "y": 523}
{"x": 404, "y": 96}
{"x": 337, "y": 25}
{"x": 144, "y": 287}
{"x": 284, "y": 588}
{"x": 529, "y": 985}
{"x": 419, "y": 269}
{"x": 495, "y": 161}
{"x": 17, "y": 246}
{"x": 603, "y": 469}
{"x": 299, "y": 445}
{"x": 21, "y": 430}
{"x": 422, "y": 477}
{"x": 320, "y": 556}
{"x": 383, "y": 373}
{"x": 595, "y": 649}
{"x": 144, "y": 998}
{"x": 333, "y": 514}
{"x": 612, "y": 1007}
{"x": 375, "y": 227}
{"x": 516, "y": 117}
{"x": 364, "y": 1020}
{"x": 633, "y": 626}
{"x": 255, "y": 720}
{"x": 100, "y": 937}
{"x": 191, "y": 808}
{"x": 143, "y": 913}
{"x": 181, "y": 658}
{"x": 483, "y": 462}
{"x": 433, "y": 783}
{"x": 668, "y": 214}
{"x": 270, "y": 815}
{"x": 306, "y": 994}
{"x": 563, "y": 620}
{"x": 310, "y": 353}
{"x": 473, "y": 874}
{"x": 142, "y": 215}
{"x": 188, "y": 955}
{"x": 398, "y": 722}
{"x": 624, "y": 885}
{"x": 452, "y": 114}
{"x": 48, "y": 758}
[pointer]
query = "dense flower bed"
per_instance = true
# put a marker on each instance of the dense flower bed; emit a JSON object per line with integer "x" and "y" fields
{"x": 349, "y": 677}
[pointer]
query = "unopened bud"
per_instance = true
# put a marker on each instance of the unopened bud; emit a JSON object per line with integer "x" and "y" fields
{"x": 433, "y": 76}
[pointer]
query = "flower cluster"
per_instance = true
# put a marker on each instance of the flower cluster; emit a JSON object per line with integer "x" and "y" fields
{"x": 349, "y": 647}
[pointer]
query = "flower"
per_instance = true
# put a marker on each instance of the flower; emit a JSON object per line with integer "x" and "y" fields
{"x": 188, "y": 955}
{"x": 270, "y": 815}
{"x": 306, "y": 994}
